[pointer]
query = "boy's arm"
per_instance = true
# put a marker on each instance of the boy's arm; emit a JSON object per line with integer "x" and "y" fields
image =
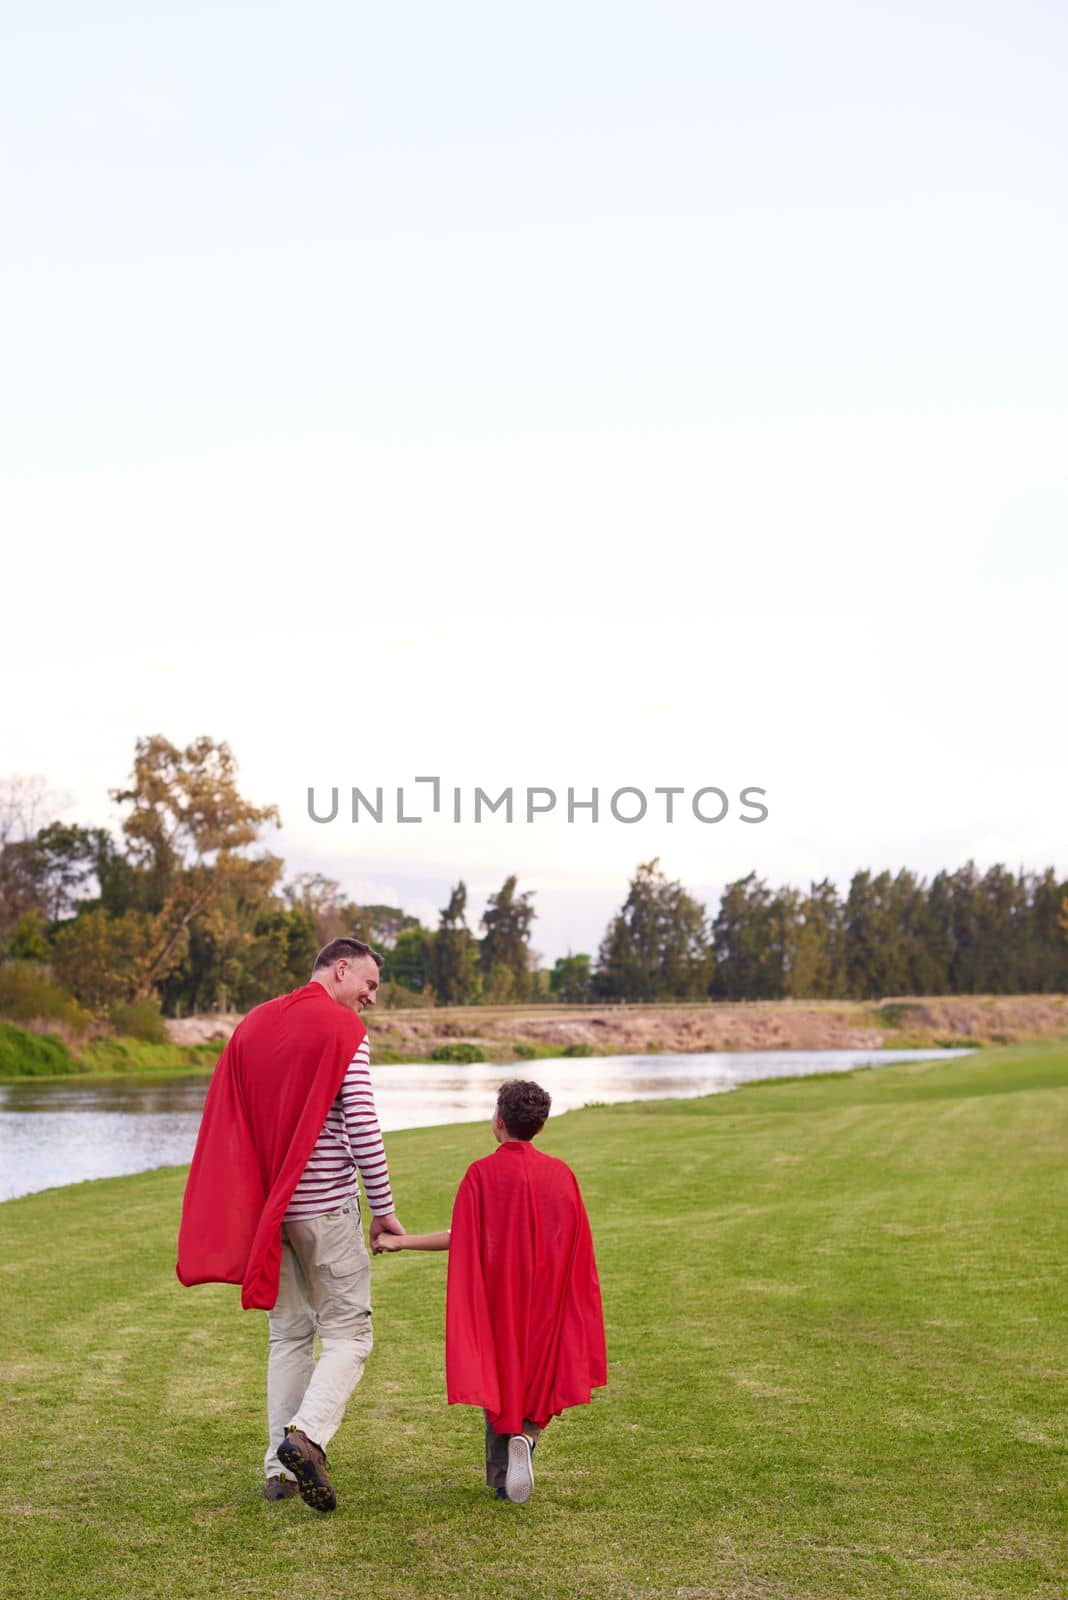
{"x": 389, "y": 1242}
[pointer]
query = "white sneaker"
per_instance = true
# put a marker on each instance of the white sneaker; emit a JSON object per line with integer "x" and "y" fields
{"x": 519, "y": 1480}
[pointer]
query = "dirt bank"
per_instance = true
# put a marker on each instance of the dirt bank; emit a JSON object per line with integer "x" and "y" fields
{"x": 760, "y": 1025}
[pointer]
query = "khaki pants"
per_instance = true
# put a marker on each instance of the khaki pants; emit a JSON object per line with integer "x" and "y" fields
{"x": 497, "y": 1451}
{"x": 325, "y": 1289}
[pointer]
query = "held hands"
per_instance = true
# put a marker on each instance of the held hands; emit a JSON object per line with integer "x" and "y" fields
{"x": 383, "y": 1228}
{"x": 388, "y": 1243}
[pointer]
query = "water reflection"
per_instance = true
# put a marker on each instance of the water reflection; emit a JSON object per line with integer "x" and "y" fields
{"x": 56, "y": 1131}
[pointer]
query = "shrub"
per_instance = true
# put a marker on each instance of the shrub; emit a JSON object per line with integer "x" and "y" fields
{"x": 27, "y": 994}
{"x": 459, "y": 1052}
{"x": 897, "y": 1014}
{"x": 523, "y": 1051}
{"x": 27, "y": 1055}
{"x": 29, "y": 942}
{"x": 391, "y": 1055}
{"x": 580, "y": 1049}
{"x": 393, "y": 996}
{"x": 139, "y": 1019}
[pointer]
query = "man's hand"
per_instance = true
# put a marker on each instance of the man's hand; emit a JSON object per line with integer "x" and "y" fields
{"x": 390, "y": 1223}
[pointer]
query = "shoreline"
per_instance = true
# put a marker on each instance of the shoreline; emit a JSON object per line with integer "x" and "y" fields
{"x": 513, "y": 1035}
{"x": 796, "y": 1078}
{"x": 901, "y": 1022}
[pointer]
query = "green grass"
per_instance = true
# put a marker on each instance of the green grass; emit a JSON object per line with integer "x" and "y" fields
{"x": 24, "y": 1054}
{"x": 837, "y": 1350}
{"x": 31, "y": 1055}
{"x": 115, "y": 1054}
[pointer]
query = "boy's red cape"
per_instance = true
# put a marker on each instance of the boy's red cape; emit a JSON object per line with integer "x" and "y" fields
{"x": 269, "y": 1096}
{"x": 524, "y": 1329}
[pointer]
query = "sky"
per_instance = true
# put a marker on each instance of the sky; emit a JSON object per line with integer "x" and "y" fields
{"x": 582, "y": 396}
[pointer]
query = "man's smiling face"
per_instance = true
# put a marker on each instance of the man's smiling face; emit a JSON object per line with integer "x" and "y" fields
{"x": 356, "y": 983}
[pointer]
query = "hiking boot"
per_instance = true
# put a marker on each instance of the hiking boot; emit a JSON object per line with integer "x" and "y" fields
{"x": 279, "y": 1488}
{"x": 307, "y": 1462}
{"x": 519, "y": 1479}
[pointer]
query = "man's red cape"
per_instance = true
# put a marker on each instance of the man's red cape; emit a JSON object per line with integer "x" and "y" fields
{"x": 266, "y": 1105}
{"x": 524, "y": 1329}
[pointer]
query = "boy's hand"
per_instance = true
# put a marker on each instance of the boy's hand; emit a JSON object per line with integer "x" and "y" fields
{"x": 382, "y": 1227}
{"x": 387, "y": 1244}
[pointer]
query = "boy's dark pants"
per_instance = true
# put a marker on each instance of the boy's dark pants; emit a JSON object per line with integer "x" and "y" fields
{"x": 497, "y": 1451}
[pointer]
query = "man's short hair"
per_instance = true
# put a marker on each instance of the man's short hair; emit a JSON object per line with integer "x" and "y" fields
{"x": 523, "y": 1107}
{"x": 345, "y": 950}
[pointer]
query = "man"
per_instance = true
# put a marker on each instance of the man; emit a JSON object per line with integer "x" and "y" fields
{"x": 272, "y": 1202}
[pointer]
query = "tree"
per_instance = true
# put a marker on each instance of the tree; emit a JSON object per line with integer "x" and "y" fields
{"x": 185, "y": 828}
{"x": 104, "y": 960}
{"x": 383, "y": 925}
{"x": 50, "y": 872}
{"x": 279, "y": 956}
{"x": 752, "y": 939}
{"x": 319, "y": 901}
{"x": 923, "y": 964}
{"x": 506, "y": 946}
{"x": 499, "y": 986}
{"x": 876, "y": 953}
{"x": 816, "y": 973}
{"x": 1001, "y": 933}
{"x": 570, "y": 979}
{"x": 185, "y": 809}
{"x": 938, "y": 936}
{"x": 409, "y": 963}
{"x": 222, "y": 959}
{"x": 19, "y": 888}
{"x": 962, "y": 889}
{"x": 656, "y": 947}
{"x": 29, "y": 941}
{"x": 784, "y": 924}
{"x": 453, "y": 954}
{"x": 24, "y": 803}
{"x": 1047, "y": 934}
{"x": 65, "y": 859}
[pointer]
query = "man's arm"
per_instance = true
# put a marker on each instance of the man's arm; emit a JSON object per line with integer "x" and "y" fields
{"x": 365, "y": 1137}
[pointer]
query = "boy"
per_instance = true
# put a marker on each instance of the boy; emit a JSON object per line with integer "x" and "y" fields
{"x": 524, "y": 1329}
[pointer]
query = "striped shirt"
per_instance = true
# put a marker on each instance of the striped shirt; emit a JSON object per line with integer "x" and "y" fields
{"x": 350, "y": 1139}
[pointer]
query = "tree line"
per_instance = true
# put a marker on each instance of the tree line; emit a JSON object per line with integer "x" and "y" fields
{"x": 186, "y": 910}
{"x": 962, "y": 932}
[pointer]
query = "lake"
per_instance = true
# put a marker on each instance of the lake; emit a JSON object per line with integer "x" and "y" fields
{"x": 61, "y": 1130}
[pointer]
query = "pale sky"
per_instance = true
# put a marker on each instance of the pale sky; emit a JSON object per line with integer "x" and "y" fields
{"x": 592, "y": 395}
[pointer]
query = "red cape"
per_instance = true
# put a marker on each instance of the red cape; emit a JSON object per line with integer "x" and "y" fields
{"x": 524, "y": 1329}
{"x": 269, "y": 1096}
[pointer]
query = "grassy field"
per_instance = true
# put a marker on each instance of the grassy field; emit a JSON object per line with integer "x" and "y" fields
{"x": 837, "y": 1343}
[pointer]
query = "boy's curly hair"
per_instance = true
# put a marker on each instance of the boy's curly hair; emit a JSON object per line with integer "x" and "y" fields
{"x": 523, "y": 1107}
